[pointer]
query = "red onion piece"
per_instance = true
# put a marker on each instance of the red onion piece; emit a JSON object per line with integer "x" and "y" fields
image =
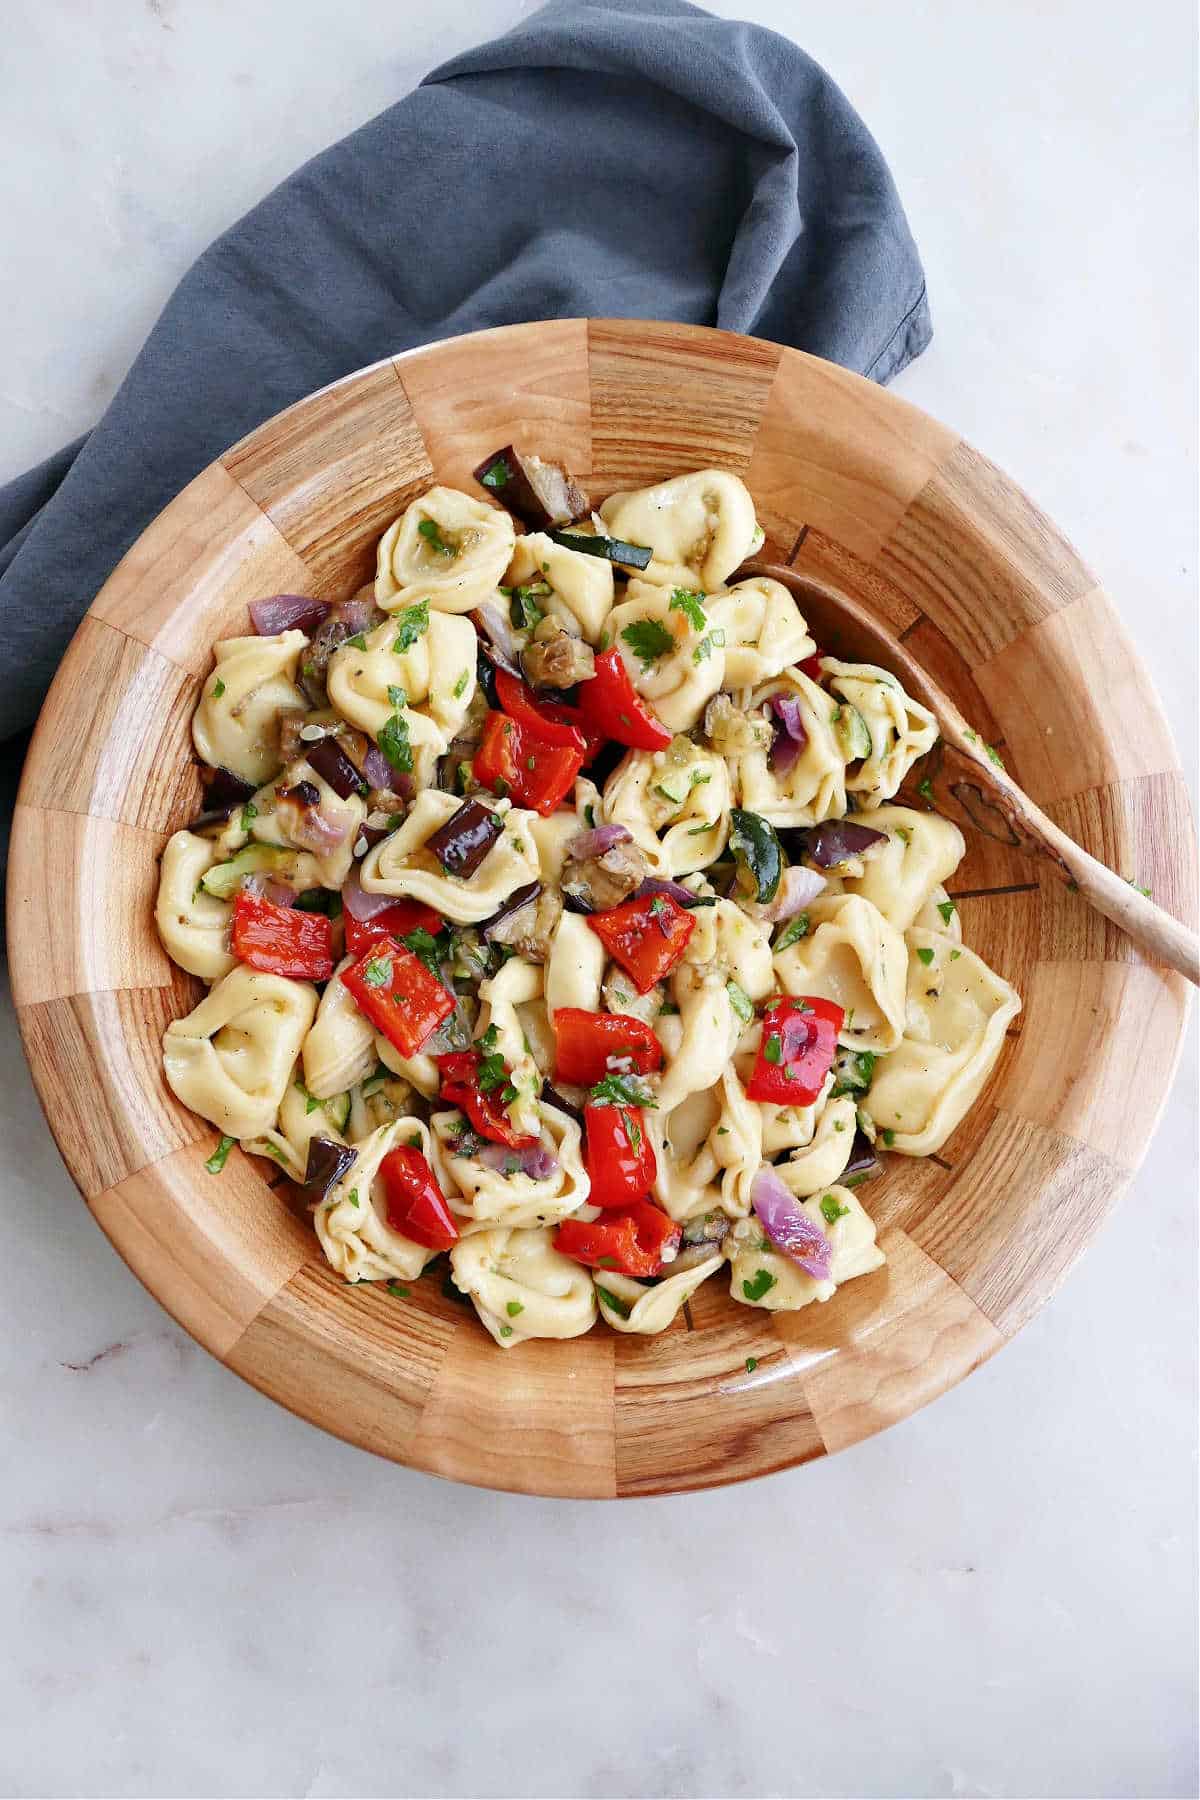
{"x": 361, "y": 905}
{"x": 359, "y": 615}
{"x": 277, "y": 892}
{"x": 789, "y": 1228}
{"x": 535, "y": 1161}
{"x": 796, "y": 890}
{"x": 287, "y": 612}
{"x": 790, "y": 734}
{"x": 838, "y": 839}
{"x": 596, "y": 841}
{"x": 380, "y": 773}
{"x": 683, "y": 896}
{"x": 500, "y": 643}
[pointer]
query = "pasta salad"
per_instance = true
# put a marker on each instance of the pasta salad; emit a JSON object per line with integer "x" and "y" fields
{"x": 559, "y": 916}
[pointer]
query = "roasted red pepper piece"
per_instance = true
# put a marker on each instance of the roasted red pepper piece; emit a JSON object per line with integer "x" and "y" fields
{"x": 799, "y": 1043}
{"x": 585, "y": 1042}
{"x": 514, "y": 760}
{"x": 416, "y": 1206}
{"x": 395, "y": 990}
{"x": 612, "y": 706}
{"x": 279, "y": 940}
{"x": 811, "y": 666}
{"x": 394, "y": 922}
{"x": 621, "y": 1164}
{"x": 551, "y": 719}
{"x": 483, "y": 1106}
{"x": 632, "y": 1241}
{"x": 647, "y": 936}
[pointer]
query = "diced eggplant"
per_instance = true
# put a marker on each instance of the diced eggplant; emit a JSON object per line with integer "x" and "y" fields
{"x": 542, "y": 494}
{"x": 334, "y": 766}
{"x": 555, "y": 659}
{"x": 597, "y": 883}
{"x": 327, "y": 1162}
{"x": 461, "y": 844}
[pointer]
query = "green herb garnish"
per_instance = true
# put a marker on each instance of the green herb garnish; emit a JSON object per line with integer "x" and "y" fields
{"x": 947, "y": 909}
{"x": 751, "y": 1364}
{"x": 378, "y": 971}
{"x": 611, "y": 1300}
{"x": 686, "y": 601}
{"x": 888, "y": 1136}
{"x": 648, "y": 640}
{"x": 357, "y": 642}
{"x": 433, "y": 537}
{"x": 994, "y": 755}
{"x": 740, "y": 1001}
{"x": 506, "y": 1331}
{"x": 762, "y": 1284}
{"x": 623, "y": 1090}
{"x": 773, "y": 1048}
{"x": 832, "y": 1209}
{"x": 513, "y": 1307}
{"x": 460, "y": 686}
{"x": 217, "y": 1160}
{"x": 218, "y": 688}
{"x": 394, "y": 740}
{"x": 925, "y": 789}
{"x": 926, "y": 956}
{"x": 401, "y": 1293}
{"x": 792, "y": 932}
{"x": 413, "y": 623}
{"x": 249, "y": 812}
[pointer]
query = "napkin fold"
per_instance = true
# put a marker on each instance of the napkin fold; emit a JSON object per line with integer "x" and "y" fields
{"x": 638, "y": 158}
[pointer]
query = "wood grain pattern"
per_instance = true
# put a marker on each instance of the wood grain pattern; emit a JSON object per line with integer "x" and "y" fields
{"x": 860, "y": 491}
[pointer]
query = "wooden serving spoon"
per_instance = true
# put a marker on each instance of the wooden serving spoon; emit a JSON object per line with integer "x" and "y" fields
{"x": 977, "y": 793}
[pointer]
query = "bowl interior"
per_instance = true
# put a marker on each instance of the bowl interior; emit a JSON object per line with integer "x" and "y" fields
{"x": 854, "y": 487}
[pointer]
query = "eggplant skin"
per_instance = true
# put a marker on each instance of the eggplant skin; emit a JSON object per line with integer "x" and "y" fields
{"x": 541, "y": 494}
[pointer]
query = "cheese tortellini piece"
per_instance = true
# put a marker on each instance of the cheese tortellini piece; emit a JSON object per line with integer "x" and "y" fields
{"x": 813, "y": 787}
{"x": 763, "y": 630}
{"x": 699, "y": 526}
{"x": 298, "y": 1123}
{"x": 236, "y": 725}
{"x": 435, "y": 676}
{"x": 516, "y": 984}
{"x": 575, "y": 968}
{"x": 675, "y": 666}
{"x": 580, "y": 588}
{"x": 327, "y": 832}
{"x": 900, "y": 729}
{"x": 193, "y": 925}
{"x": 760, "y": 1275}
{"x": 816, "y": 1166}
{"x": 522, "y": 1287}
{"x": 725, "y": 948}
{"x": 899, "y": 877}
{"x": 339, "y": 1050}
{"x": 629, "y": 1305}
{"x": 497, "y": 1190}
{"x": 352, "y": 1222}
{"x": 402, "y": 866}
{"x": 447, "y": 548}
{"x": 675, "y": 804}
{"x": 854, "y": 957}
{"x": 231, "y": 1058}
{"x": 958, "y": 1011}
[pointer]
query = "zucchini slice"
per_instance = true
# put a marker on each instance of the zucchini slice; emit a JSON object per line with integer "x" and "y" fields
{"x": 758, "y": 855}
{"x": 225, "y": 878}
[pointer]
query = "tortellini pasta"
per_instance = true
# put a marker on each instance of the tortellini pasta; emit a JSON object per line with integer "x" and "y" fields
{"x": 402, "y": 866}
{"x": 629, "y": 1305}
{"x": 352, "y": 1221}
{"x": 231, "y": 1058}
{"x": 675, "y": 666}
{"x": 575, "y": 967}
{"x": 760, "y": 1275}
{"x": 521, "y": 1287}
{"x": 504, "y": 1194}
{"x": 300, "y": 1120}
{"x": 900, "y": 729}
{"x": 433, "y": 678}
{"x": 958, "y": 1011}
{"x": 923, "y": 850}
{"x": 575, "y": 589}
{"x": 327, "y": 831}
{"x": 339, "y": 1050}
{"x": 447, "y": 548}
{"x": 675, "y": 803}
{"x": 236, "y": 725}
{"x": 699, "y": 526}
{"x": 854, "y": 957}
{"x": 193, "y": 925}
{"x": 762, "y": 630}
{"x": 812, "y": 787}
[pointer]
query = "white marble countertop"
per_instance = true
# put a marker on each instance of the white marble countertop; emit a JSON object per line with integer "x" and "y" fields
{"x": 200, "y": 1595}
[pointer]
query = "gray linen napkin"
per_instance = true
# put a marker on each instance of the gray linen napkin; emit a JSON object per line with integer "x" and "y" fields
{"x": 623, "y": 157}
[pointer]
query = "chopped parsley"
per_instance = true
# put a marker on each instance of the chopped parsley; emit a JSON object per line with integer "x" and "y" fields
{"x": 523, "y": 609}
{"x": 357, "y": 642}
{"x": 378, "y": 971}
{"x": 792, "y": 932}
{"x": 715, "y": 640}
{"x": 394, "y": 740}
{"x": 947, "y": 909}
{"x": 514, "y": 1307}
{"x": 623, "y": 1090}
{"x": 751, "y": 1364}
{"x": 606, "y": 1262}
{"x": 401, "y": 1293}
{"x": 413, "y": 623}
{"x": 686, "y": 601}
{"x": 904, "y": 834}
{"x": 218, "y": 688}
{"x": 506, "y": 1331}
{"x": 414, "y": 1142}
{"x": 249, "y": 812}
{"x": 397, "y": 697}
{"x": 972, "y": 737}
{"x": 648, "y": 640}
{"x": 429, "y": 531}
{"x": 855, "y": 1072}
{"x": 925, "y": 789}
{"x": 993, "y": 755}
{"x": 888, "y": 1136}
{"x": 613, "y": 1303}
{"x": 217, "y": 1160}
{"x": 1136, "y": 886}
{"x": 496, "y": 475}
{"x": 589, "y": 813}
{"x": 310, "y": 1105}
{"x": 832, "y": 1209}
{"x": 773, "y": 1048}
{"x": 426, "y": 949}
{"x": 352, "y": 1197}
{"x": 460, "y": 686}
{"x": 762, "y": 1284}
{"x": 954, "y": 955}
{"x": 926, "y": 956}
{"x": 740, "y": 1001}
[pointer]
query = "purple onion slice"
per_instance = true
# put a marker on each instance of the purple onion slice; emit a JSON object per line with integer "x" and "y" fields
{"x": 361, "y": 905}
{"x": 288, "y": 612}
{"x": 596, "y": 841}
{"x": 535, "y": 1161}
{"x": 789, "y": 1228}
{"x": 837, "y": 840}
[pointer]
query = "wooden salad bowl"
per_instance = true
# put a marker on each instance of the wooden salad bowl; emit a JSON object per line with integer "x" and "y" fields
{"x": 855, "y": 489}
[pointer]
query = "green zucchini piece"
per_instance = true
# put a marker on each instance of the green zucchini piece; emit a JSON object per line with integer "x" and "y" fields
{"x": 850, "y": 730}
{"x": 758, "y": 855}
{"x": 223, "y": 881}
{"x": 613, "y": 550}
{"x": 338, "y": 1109}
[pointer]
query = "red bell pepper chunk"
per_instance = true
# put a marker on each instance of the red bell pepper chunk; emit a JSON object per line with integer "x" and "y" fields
{"x": 513, "y": 759}
{"x": 483, "y": 1106}
{"x": 621, "y": 1164}
{"x": 611, "y": 704}
{"x": 811, "y": 666}
{"x": 586, "y": 1041}
{"x": 394, "y": 922}
{"x": 799, "y": 1043}
{"x": 551, "y": 719}
{"x": 392, "y": 988}
{"x": 416, "y": 1206}
{"x": 646, "y": 936}
{"x": 279, "y": 940}
{"x": 632, "y": 1241}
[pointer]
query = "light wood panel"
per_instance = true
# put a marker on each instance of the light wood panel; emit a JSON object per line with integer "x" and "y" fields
{"x": 860, "y": 491}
